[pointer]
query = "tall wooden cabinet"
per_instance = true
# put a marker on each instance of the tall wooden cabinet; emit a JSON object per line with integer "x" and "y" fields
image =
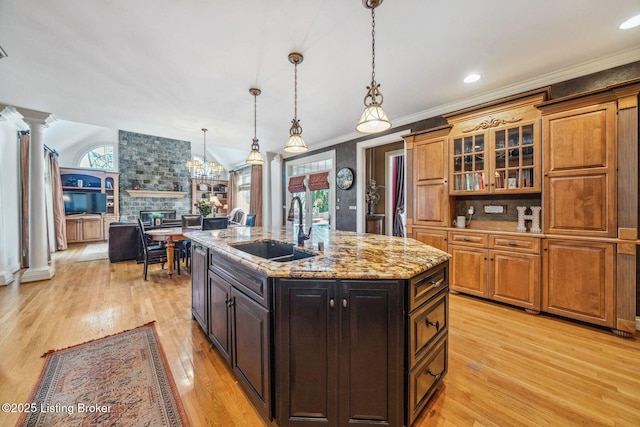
{"x": 580, "y": 170}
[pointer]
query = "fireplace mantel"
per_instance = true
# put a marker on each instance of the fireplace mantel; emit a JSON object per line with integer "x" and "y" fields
{"x": 157, "y": 194}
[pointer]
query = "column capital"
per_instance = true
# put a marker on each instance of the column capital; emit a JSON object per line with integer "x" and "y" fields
{"x": 274, "y": 157}
{"x": 34, "y": 117}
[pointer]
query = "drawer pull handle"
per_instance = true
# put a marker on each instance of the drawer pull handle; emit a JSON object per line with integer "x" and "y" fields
{"x": 436, "y": 283}
{"x": 436, "y": 324}
{"x": 332, "y": 302}
{"x": 512, "y": 243}
{"x": 466, "y": 239}
{"x": 435, "y": 376}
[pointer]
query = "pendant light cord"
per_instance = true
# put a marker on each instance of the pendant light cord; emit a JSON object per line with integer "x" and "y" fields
{"x": 255, "y": 115}
{"x": 373, "y": 44}
{"x": 295, "y": 92}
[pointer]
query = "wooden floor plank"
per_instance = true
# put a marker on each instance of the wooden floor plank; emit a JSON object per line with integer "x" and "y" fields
{"x": 506, "y": 367}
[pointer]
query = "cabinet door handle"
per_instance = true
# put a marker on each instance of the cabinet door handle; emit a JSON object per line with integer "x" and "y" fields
{"x": 435, "y": 376}
{"x": 332, "y": 302}
{"x": 436, "y": 324}
{"x": 344, "y": 302}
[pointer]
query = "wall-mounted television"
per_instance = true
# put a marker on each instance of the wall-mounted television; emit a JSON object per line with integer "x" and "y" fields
{"x": 80, "y": 203}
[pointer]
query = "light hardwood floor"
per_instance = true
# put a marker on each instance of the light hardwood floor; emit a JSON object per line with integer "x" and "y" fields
{"x": 506, "y": 367}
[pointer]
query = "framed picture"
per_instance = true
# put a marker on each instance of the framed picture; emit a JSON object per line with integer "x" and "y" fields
{"x": 157, "y": 222}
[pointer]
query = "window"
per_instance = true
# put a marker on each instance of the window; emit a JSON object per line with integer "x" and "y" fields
{"x": 243, "y": 189}
{"x": 98, "y": 158}
{"x": 316, "y": 197}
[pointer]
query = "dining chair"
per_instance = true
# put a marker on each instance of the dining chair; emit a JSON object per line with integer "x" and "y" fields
{"x": 189, "y": 220}
{"x": 251, "y": 220}
{"x": 151, "y": 254}
{"x": 216, "y": 223}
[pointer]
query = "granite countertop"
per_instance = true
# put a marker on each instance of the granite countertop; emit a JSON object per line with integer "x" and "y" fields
{"x": 346, "y": 255}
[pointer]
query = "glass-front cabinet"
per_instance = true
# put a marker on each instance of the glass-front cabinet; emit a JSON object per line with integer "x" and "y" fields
{"x": 503, "y": 159}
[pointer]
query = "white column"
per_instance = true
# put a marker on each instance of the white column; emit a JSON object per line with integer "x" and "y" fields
{"x": 6, "y": 276}
{"x": 266, "y": 192}
{"x": 39, "y": 268}
{"x": 276, "y": 189}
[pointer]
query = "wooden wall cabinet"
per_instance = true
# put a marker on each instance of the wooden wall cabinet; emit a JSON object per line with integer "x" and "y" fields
{"x": 431, "y": 201}
{"x": 580, "y": 170}
{"x": 496, "y": 149}
{"x": 578, "y": 280}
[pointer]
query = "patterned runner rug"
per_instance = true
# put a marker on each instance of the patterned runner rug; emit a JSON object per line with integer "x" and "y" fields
{"x": 118, "y": 380}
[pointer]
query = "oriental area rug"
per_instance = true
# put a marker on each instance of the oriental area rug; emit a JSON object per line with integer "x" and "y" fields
{"x": 118, "y": 380}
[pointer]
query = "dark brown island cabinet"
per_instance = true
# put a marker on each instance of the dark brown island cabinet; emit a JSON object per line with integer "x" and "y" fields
{"x": 325, "y": 351}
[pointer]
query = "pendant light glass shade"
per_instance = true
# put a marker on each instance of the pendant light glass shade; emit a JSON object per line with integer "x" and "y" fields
{"x": 295, "y": 143}
{"x": 373, "y": 118}
{"x": 255, "y": 158}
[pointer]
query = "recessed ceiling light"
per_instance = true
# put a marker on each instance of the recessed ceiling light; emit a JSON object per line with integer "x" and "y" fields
{"x": 473, "y": 77}
{"x": 630, "y": 23}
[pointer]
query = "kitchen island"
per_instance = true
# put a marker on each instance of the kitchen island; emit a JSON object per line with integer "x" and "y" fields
{"x": 353, "y": 333}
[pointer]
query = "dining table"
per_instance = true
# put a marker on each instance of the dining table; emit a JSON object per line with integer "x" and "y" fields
{"x": 170, "y": 236}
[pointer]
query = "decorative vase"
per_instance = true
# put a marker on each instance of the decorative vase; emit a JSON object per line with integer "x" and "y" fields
{"x": 370, "y": 207}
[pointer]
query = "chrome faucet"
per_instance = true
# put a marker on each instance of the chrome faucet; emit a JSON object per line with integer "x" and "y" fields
{"x": 301, "y": 236}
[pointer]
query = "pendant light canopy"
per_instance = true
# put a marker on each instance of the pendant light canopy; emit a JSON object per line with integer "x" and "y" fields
{"x": 373, "y": 118}
{"x": 255, "y": 158}
{"x": 295, "y": 143}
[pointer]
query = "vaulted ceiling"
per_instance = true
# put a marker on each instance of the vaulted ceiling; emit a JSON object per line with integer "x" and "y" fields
{"x": 171, "y": 67}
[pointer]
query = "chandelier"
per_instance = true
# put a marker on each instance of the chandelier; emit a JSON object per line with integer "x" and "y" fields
{"x": 204, "y": 172}
{"x": 373, "y": 118}
{"x": 295, "y": 143}
{"x": 255, "y": 158}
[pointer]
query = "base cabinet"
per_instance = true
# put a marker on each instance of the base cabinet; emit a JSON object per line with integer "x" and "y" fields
{"x": 239, "y": 327}
{"x": 199, "y": 284}
{"x": 503, "y": 268}
{"x": 332, "y": 336}
{"x": 579, "y": 280}
{"x": 84, "y": 228}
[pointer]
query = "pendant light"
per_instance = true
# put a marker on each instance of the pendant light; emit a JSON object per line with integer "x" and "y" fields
{"x": 255, "y": 158}
{"x": 373, "y": 118}
{"x": 295, "y": 143}
{"x": 205, "y": 172}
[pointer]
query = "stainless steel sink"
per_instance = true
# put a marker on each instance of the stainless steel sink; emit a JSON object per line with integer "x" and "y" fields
{"x": 272, "y": 250}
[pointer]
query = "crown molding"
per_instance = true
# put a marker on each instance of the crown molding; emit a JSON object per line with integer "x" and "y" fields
{"x": 586, "y": 68}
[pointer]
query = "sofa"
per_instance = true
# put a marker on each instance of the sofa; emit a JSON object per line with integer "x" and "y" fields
{"x": 124, "y": 241}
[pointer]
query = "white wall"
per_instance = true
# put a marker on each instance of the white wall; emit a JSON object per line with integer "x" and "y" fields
{"x": 9, "y": 199}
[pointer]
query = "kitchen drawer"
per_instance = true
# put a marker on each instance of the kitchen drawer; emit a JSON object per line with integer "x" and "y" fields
{"x": 424, "y": 378}
{"x": 426, "y": 285}
{"x": 427, "y": 323}
{"x": 515, "y": 243}
{"x": 468, "y": 239}
{"x": 244, "y": 279}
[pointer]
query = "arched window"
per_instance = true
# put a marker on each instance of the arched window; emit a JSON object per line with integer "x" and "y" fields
{"x": 98, "y": 158}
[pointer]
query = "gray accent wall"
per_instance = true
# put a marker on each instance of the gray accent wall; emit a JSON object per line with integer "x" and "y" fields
{"x": 154, "y": 163}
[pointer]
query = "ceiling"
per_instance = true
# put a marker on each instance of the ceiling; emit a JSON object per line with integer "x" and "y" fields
{"x": 171, "y": 67}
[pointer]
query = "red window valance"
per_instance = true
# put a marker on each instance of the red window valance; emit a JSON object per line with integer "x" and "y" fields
{"x": 296, "y": 184}
{"x": 319, "y": 181}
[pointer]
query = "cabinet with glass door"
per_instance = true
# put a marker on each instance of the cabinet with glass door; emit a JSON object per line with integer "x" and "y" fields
{"x": 496, "y": 150}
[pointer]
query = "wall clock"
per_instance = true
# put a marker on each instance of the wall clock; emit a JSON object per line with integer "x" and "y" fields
{"x": 344, "y": 178}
